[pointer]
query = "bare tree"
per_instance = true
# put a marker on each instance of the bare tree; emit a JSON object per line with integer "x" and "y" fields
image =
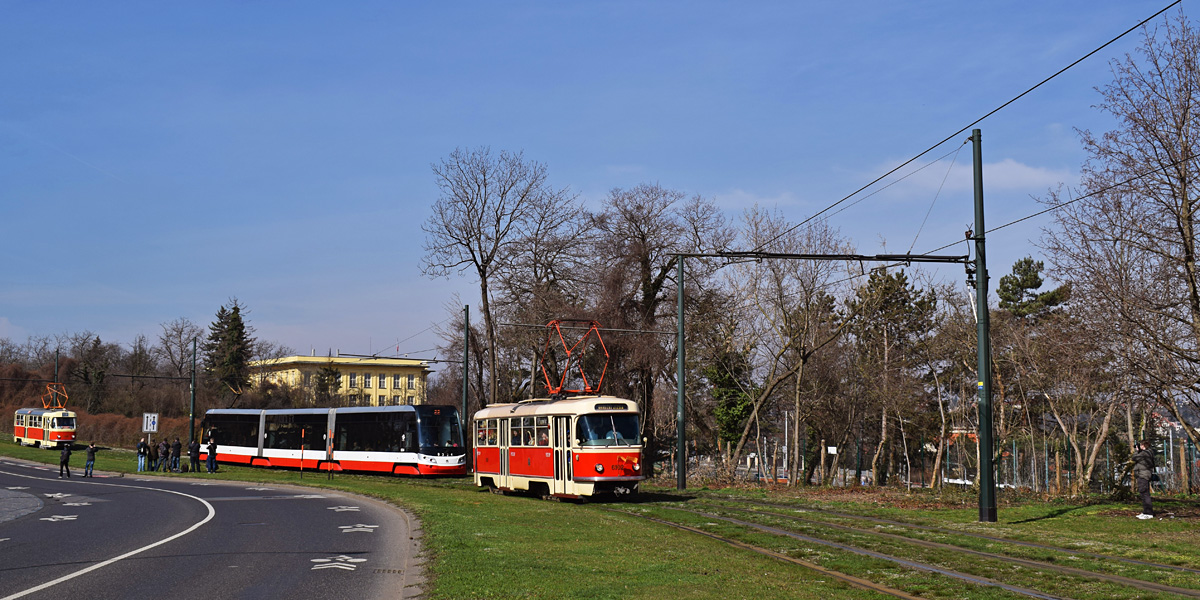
{"x": 485, "y": 209}
{"x": 175, "y": 345}
{"x": 1129, "y": 239}
{"x": 638, "y": 235}
{"x": 787, "y": 314}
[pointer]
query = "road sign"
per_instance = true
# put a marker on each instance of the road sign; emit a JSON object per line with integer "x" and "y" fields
{"x": 149, "y": 422}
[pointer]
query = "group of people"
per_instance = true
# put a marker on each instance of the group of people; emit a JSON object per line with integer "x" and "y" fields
{"x": 166, "y": 457}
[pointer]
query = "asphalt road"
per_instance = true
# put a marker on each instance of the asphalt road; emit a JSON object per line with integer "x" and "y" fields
{"x": 188, "y": 537}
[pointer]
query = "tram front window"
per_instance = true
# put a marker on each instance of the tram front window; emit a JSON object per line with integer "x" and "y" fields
{"x": 63, "y": 423}
{"x": 607, "y": 430}
{"x": 440, "y": 432}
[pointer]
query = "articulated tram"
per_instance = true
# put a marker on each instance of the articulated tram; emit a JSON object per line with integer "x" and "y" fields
{"x": 401, "y": 440}
{"x": 559, "y": 448}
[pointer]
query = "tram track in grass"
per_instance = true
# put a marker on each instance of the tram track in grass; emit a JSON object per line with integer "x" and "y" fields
{"x": 1028, "y": 569}
{"x": 1142, "y": 584}
{"x": 853, "y": 580}
{"x": 1069, "y": 552}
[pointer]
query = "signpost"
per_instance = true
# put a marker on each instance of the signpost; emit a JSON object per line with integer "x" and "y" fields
{"x": 149, "y": 422}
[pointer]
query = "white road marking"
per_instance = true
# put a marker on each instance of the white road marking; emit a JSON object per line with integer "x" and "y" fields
{"x": 341, "y": 561}
{"x": 343, "y": 508}
{"x": 77, "y": 503}
{"x": 60, "y": 518}
{"x": 212, "y": 512}
{"x": 358, "y": 527}
{"x": 58, "y": 495}
{"x": 17, "y": 487}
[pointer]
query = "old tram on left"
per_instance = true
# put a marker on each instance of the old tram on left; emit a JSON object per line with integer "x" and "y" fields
{"x": 51, "y": 426}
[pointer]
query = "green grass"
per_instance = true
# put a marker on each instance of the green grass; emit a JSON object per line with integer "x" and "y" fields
{"x": 480, "y": 545}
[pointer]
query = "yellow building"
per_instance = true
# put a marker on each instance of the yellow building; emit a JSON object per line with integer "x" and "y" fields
{"x": 360, "y": 381}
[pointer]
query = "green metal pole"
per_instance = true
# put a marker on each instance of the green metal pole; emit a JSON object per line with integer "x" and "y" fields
{"x": 468, "y": 434}
{"x": 466, "y": 354}
{"x": 987, "y": 479}
{"x": 192, "y": 392}
{"x": 680, "y": 431}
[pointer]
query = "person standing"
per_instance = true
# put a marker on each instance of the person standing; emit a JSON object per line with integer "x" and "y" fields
{"x": 211, "y": 459}
{"x": 176, "y": 451}
{"x": 164, "y": 455}
{"x": 1143, "y": 471}
{"x": 152, "y": 452}
{"x": 142, "y": 450}
{"x": 64, "y": 461}
{"x": 91, "y": 459}
{"x": 194, "y": 456}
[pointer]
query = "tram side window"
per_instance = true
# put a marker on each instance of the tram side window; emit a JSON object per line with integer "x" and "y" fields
{"x": 485, "y": 432}
{"x": 516, "y": 435}
{"x": 288, "y": 432}
{"x": 542, "y": 431}
{"x": 376, "y": 432}
{"x": 233, "y": 430}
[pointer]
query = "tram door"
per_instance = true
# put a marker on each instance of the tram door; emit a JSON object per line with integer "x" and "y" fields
{"x": 562, "y": 454}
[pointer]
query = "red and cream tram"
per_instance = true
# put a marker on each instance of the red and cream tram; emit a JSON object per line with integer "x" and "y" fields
{"x": 50, "y": 426}
{"x": 400, "y": 440}
{"x": 45, "y": 427}
{"x": 559, "y": 448}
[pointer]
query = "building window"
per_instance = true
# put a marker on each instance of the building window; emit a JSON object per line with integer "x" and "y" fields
{"x": 353, "y": 399}
{"x": 396, "y": 400}
{"x": 366, "y": 380}
{"x": 307, "y": 379}
{"x": 411, "y": 400}
{"x": 339, "y": 381}
{"x": 382, "y": 381}
{"x": 412, "y": 383}
{"x": 396, "y": 383}
{"x": 354, "y": 380}
{"x": 382, "y": 400}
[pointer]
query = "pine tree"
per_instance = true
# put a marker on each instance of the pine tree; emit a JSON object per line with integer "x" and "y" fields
{"x": 1018, "y": 292}
{"x": 227, "y": 351}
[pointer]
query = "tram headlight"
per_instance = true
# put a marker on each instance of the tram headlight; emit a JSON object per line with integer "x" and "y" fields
{"x": 599, "y": 468}
{"x": 637, "y": 467}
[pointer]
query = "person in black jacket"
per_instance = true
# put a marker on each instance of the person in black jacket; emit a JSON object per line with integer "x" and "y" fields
{"x": 194, "y": 456}
{"x": 64, "y": 461}
{"x": 211, "y": 459}
{"x": 164, "y": 456}
{"x": 176, "y": 451}
{"x": 143, "y": 449}
{"x": 91, "y": 459}
{"x": 1143, "y": 470}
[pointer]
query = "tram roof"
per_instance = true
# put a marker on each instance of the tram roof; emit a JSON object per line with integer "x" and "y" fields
{"x": 43, "y": 411}
{"x": 551, "y": 406}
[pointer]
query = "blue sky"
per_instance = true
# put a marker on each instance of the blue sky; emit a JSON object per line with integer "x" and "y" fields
{"x": 159, "y": 158}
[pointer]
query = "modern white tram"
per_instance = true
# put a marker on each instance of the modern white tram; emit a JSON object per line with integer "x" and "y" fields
{"x": 401, "y": 440}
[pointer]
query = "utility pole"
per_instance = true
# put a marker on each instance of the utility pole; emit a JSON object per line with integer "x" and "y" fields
{"x": 680, "y": 431}
{"x": 466, "y": 354}
{"x": 192, "y": 405}
{"x": 987, "y": 479}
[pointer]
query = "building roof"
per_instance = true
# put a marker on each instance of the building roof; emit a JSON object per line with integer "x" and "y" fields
{"x": 341, "y": 362}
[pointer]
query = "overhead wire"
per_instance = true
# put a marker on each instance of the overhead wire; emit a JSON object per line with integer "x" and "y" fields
{"x": 966, "y": 127}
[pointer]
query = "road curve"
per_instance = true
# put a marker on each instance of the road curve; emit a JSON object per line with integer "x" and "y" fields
{"x": 127, "y": 537}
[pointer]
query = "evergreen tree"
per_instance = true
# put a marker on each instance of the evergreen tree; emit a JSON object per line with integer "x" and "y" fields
{"x": 1018, "y": 292}
{"x": 729, "y": 382}
{"x": 326, "y": 385}
{"x": 227, "y": 351}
